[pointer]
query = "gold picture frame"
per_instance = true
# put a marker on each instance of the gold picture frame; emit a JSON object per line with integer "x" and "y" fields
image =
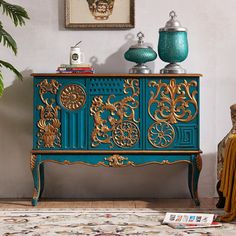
{"x": 99, "y": 14}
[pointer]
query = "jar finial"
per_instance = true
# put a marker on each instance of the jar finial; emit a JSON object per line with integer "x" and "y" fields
{"x": 173, "y": 14}
{"x": 173, "y": 24}
{"x": 140, "y": 36}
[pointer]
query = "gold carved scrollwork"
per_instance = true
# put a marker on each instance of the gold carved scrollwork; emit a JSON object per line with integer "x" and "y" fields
{"x": 66, "y": 162}
{"x": 119, "y": 113}
{"x": 116, "y": 160}
{"x": 173, "y": 102}
{"x": 49, "y": 124}
{"x": 32, "y": 161}
{"x": 199, "y": 162}
{"x": 73, "y": 97}
{"x": 161, "y": 134}
{"x": 45, "y": 87}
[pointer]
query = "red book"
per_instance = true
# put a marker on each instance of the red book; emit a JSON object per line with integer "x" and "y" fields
{"x": 80, "y": 68}
{"x": 74, "y": 72}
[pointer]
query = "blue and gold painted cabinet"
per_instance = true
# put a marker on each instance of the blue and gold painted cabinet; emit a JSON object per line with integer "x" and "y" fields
{"x": 116, "y": 120}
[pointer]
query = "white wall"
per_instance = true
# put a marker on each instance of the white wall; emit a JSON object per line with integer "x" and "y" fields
{"x": 44, "y": 44}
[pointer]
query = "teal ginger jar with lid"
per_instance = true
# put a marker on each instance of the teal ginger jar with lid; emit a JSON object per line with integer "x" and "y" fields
{"x": 140, "y": 53}
{"x": 173, "y": 45}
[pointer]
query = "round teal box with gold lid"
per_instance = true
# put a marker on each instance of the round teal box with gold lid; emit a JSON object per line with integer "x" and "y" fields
{"x": 140, "y": 54}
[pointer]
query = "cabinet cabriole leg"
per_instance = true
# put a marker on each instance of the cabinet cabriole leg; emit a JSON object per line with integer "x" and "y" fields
{"x": 195, "y": 168}
{"x": 35, "y": 168}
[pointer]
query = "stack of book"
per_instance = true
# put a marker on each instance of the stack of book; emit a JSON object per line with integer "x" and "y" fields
{"x": 79, "y": 68}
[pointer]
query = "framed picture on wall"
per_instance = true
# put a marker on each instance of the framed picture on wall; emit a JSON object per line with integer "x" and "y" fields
{"x": 88, "y": 14}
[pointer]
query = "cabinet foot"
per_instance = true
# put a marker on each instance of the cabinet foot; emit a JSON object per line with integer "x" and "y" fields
{"x": 197, "y": 202}
{"x": 34, "y": 202}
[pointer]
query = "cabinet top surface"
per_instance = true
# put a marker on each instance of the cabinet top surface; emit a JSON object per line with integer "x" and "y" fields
{"x": 112, "y": 75}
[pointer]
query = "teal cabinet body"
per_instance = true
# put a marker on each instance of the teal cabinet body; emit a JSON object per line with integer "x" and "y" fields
{"x": 116, "y": 121}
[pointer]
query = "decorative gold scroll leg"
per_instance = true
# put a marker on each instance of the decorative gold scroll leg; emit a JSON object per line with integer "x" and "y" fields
{"x": 35, "y": 168}
{"x": 195, "y": 168}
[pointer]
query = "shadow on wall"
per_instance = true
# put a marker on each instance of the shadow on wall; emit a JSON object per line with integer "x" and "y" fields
{"x": 80, "y": 181}
{"x": 208, "y": 176}
{"x": 16, "y": 137}
{"x": 116, "y": 63}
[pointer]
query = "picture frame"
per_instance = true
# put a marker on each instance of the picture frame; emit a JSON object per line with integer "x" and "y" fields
{"x": 100, "y": 14}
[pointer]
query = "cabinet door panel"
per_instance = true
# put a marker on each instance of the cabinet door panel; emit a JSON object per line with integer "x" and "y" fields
{"x": 114, "y": 121}
{"x": 172, "y": 113}
{"x": 60, "y": 113}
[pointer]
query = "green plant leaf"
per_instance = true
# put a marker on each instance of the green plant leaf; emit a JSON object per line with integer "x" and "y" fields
{"x": 7, "y": 39}
{"x": 12, "y": 68}
{"x": 1, "y": 85}
{"x": 17, "y": 13}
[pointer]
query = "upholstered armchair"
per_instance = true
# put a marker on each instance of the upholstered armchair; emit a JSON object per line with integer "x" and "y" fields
{"x": 226, "y": 171}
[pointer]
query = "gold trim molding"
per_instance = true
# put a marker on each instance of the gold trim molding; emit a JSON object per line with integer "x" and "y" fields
{"x": 116, "y": 161}
{"x": 184, "y": 152}
{"x": 164, "y": 162}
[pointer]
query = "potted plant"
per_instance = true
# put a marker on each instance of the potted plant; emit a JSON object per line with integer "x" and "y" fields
{"x": 18, "y": 15}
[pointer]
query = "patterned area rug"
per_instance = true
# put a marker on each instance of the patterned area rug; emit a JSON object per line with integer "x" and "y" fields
{"x": 98, "y": 222}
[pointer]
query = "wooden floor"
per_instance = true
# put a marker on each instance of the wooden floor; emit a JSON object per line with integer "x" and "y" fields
{"x": 206, "y": 203}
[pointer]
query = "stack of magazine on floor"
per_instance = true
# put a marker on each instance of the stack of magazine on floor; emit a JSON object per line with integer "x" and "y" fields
{"x": 78, "y": 68}
{"x": 190, "y": 220}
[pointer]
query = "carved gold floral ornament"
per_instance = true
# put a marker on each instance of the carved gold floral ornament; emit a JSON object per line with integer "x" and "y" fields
{"x": 111, "y": 115}
{"x": 116, "y": 160}
{"x": 49, "y": 124}
{"x": 125, "y": 134}
{"x": 161, "y": 134}
{"x": 73, "y": 97}
{"x": 173, "y": 102}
